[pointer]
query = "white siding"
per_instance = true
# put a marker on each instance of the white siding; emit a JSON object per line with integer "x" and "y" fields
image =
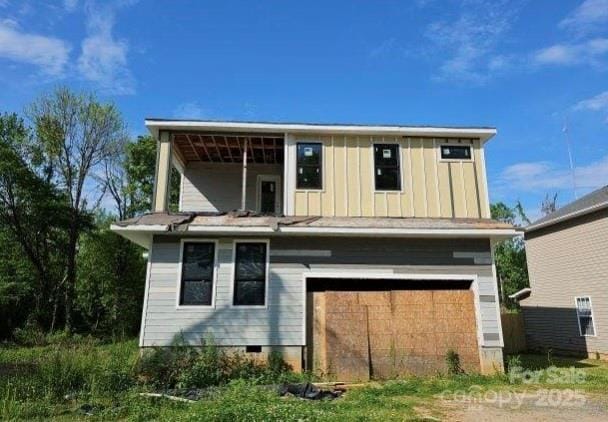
{"x": 282, "y": 322}
{"x": 210, "y": 187}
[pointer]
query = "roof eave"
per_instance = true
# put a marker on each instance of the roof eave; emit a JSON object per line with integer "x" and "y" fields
{"x": 496, "y": 234}
{"x": 569, "y": 216}
{"x": 156, "y": 125}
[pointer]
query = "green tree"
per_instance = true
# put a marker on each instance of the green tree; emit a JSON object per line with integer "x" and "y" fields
{"x": 32, "y": 225}
{"x": 139, "y": 167}
{"x": 111, "y": 277}
{"x": 76, "y": 134}
{"x": 510, "y": 255}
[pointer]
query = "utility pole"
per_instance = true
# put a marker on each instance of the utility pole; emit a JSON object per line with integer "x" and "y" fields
{"x": 572, "y": 170}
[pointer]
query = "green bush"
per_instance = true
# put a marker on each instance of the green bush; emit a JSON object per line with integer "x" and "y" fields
{"x": 452, "y": 360}
{"x": 182, "y": 366}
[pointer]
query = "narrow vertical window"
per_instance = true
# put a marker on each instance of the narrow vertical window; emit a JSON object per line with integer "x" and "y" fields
{"x": 198, "y": 259}
{"x": 387, "y": 167}
{"x": 309, "y": 166}
{"x": 250, "y": 274}
{"x": 584, "y": 313}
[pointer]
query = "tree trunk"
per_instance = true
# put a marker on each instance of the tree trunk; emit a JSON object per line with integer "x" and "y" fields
{"x": 70, "y": 281}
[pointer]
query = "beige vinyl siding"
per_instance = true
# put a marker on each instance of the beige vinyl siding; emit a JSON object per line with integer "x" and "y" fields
{"x": 565, "y": 261}
{"x": 430, "y": 187}
{"x": 281, "y": 323}
{"x": 211, "y": 187}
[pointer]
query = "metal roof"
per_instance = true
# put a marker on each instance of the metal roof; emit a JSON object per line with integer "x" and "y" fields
{"x": 589, "y": 203}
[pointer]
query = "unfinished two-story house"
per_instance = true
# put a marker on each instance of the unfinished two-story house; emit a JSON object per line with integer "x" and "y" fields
{"x": 355, "y": 251}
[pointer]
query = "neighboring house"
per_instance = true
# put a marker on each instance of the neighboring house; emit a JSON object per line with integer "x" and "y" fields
{"x": 567, "y": 252}
{"x": 358, "y": 250}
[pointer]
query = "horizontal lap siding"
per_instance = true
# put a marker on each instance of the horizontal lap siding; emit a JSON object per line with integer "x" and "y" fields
{"x": 566, "y": 261}
{"x": 214, "y": 187}
{"x": 282, "y": 322}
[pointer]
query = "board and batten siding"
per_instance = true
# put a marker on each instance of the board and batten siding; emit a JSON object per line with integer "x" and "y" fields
{"x": 565, "y": 261}
{"x": 430, "y": 187}
{"x": 211, "y": 187}
{"x": 282, "y": 322}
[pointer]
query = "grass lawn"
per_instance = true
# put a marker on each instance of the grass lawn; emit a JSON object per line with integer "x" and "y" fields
{"x": 88, "y": 381}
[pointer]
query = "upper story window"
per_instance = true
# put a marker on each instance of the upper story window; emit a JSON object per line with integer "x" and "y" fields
{"x": 197, "y": 274}
{"x": 386, "y": 167}
{"x": 250, "y": 272}
{"x": 309, "y": 165}
{"x": 584, "y": 313}
{"x": 455, "y": 152}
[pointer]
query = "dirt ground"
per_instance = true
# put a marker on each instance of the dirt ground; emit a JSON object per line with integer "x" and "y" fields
{"x": 541, "y": 405}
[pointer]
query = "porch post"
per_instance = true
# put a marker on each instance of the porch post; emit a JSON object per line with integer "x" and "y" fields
{"x": 160, "y": 199}
{"x": 244, "y": 184}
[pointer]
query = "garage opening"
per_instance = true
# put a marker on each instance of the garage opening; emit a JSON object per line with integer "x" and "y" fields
{"x": 360, "y": 329}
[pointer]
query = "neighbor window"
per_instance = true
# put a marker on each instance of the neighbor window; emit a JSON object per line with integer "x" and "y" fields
{"x": 455, "y": 152}
{"x": 386, "y": 167}
{"x": 250, "y": 274}
{"x": 584, "y": 314}
{"x": 310, "y": 158}
{"x": 197, "y": 273}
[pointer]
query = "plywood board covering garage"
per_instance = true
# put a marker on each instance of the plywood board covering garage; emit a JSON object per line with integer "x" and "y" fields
{"x": 384, "y": 334}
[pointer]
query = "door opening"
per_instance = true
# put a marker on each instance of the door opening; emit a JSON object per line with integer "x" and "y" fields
{"x": 268, "y": 194}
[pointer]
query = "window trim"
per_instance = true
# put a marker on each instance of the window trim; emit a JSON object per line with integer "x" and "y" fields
{"x": 277, "y": 194}
{"x": 373, "y": 166}
{"x": 578, "y": 319}
{"x": 471, "y": 145}
{"x": 233, "y": 273}
{"x": 321, "y": 166}
{"x": 183, "y": 241}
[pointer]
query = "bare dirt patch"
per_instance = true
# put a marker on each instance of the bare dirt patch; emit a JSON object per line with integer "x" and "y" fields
{"x": 540, "y": 405}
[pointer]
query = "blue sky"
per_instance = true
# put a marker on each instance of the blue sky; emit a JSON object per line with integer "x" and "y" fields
{"x": 525, "y": 67}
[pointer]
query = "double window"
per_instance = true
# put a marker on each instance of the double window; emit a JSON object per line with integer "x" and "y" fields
{"x": 197, "y": 274}
{"x": 387, "y": 170}
{"x": 584, "y": 313}
{"x": 309, "y": 166}
{"x": 250, "y": 272}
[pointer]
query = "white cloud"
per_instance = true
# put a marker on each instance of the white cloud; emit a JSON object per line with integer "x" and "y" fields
{"x": 70, "y": 5}
{"x": 596, "y": 103}
{"x": 469, "y": 41}
{"x": 599, "y": 102}
{"x": 103, "y": 59}
{"x": 49, "y": 54}
{"x": 588, "y": 17}
{"x": 544, "y": 176}
{"x": 190, "y": 110}
{"x": 587, "y": 52}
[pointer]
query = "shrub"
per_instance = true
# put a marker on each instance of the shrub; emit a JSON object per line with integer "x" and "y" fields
{"x": 182, "y": 366}
{"x": 452, "y": 360}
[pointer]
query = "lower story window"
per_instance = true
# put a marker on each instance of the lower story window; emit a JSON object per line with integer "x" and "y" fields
{"x": 584, "y": 313}
{"x": 198, "y": 262}
{"x": 250, "y": 273}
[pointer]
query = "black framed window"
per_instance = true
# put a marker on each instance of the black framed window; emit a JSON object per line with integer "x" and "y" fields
{"x": 387, "y": 167}
{"x": 250, "y": 274}
{"x": 309, "y": 166}
{"x": 198, "y": 266}
{"x": 455, "y": 152}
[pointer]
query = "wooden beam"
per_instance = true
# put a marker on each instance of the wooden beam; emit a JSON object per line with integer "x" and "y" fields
{"x": 200, "y": 139}
{"x": 244, "y": 182}
{"x": 217, "y": 148}
{"x": 229, "y": 151}
{"x": 263, "y": 151}
{"x": 193, "y": 147}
